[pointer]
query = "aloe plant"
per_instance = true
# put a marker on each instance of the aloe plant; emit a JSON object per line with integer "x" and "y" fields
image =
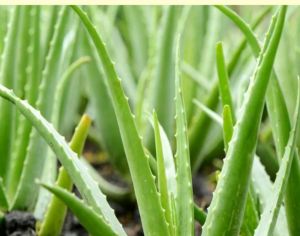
{"x": 180, "y": 107}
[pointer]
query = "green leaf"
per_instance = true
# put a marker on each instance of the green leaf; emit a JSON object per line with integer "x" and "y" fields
{"x": 147, "y": 198}
{"x": 94, "y": 223}
{"x": 201, "y": 124}
{"x": 56, "y": 212}
{"x": 227, "y": 125}
{"x": 26, "y": 193}
{"x": 166, "y": 176}
{"x": 263, "y": 189}
{"x": 164, "y": 78}
{"x": 31, "y": 92}
{"x": 213, "y": 115}
{"x": 281, "y": 125}
{"x": 225, "y": 215}
{"x": 270, "y": 213}
{"x": 224, "y": 85}
{"x": 4, "y": 205}
{"x": 86, "y": 185}
{"x": 184, "y": 197}
{"x": 105, "y": 117}
{"x": 7, "y": 78}
{"x": 137, "y": 37}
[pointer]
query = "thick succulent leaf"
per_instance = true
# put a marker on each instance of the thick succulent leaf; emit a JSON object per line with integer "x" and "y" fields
{"x": 117, "y": 49}
{"x": 250, "y": 219}
{"x": 281, "y": 126}
{"x": 262, "y": 186}
{"x": 56, "y": 212}
{"x": 31, "y": 92}
{"x": 112, "y": 191}
{"x": 94, "y": 223}
{"x": 83, "y": 181}
{"x": 163, "y": 84}
{"x": 210, "y": 113}
{"x": 201, "y": 124}
{"x": 195, "y": 30}
{"x": 105, "y": 117}
{"x": 62, "y": 86}
{"x": 184, "y": 197}
{"x": 270, "y": 213}
{"x": 27, "y": 191}
{"x": 225, "y": 215}
{"x": 4, "y": 205}
{"x": 166, "y": 154}
{"x": 196, "y": 76}
{"x": 137, "y": 35}
{"x": 22, "y": 50}
{"x": 166, "y": 181}
{"x": 147, "y": 198}
{"x": 7, "y": 78}
{"x": 227, "y": 125}
{"x": 224, "y": 85}
{"x": 237, "y": 53}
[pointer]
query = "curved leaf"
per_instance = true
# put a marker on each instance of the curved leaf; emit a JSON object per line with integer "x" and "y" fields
{"x": 147, "y": 198}
{"x": 184, "y": 197}
{"x": 270, "y": 213}
{"x": 93, "y": 222}
{"x": 225, "y": 215}
{"x": 83, "y": 181}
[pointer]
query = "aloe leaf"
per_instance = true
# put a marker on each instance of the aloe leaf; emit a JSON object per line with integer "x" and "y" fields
{"x": 112, "y": 191}
{"x": 227, "y": 125}
{"x": 262, "y": 186}
{"x": 201, "y": 124}
{"x": 31, "y": 93}
{"x": 237, "y": 53}
{"x": 163, "y": 184}
{"x": 4, "y": 20}
{"x": 54, "y": 13}
{"x": 143, "y": 94}
{"x": 56, "y": 212}
{"x": 213, "y": 115}
{"x": 105, "y": 118}
{"x": 62, "y": 40}
{"x": 184, "y": 197}
{"x": 166, "y": 154}
{"x": 224, "y": 86}
{"x": 250, "y": 219}
{"x": 270, "y": 213}
{"x": 196, "y": 76}
{"x": 22, "y": 50}
{"x": 83, "y": 181}
{"x": 281, "y": 125}
{"x": 94, "y": 223}
{"x": 226, "y": 218}
{"x": 195, "y": 30}
{"x": 137, "y": 37}
{"x": 4, "y": 205}
{"x": 60, "y": 94}
{"x": 7, "y": 77}
{"x": 117, "y": 49}
{"x": 164, "y": 79}
{"x": 147, "y": 198}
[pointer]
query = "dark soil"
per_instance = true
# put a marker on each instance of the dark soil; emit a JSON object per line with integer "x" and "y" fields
{"x": 18, "y": 223}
